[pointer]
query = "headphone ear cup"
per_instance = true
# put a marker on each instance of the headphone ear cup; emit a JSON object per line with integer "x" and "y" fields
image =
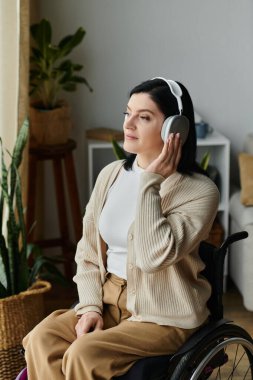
{"x": 166, "y": 127}
{"x": 175, "y": 124}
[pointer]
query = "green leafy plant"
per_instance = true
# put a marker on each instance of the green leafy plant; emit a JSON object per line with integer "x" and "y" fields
{"x": 20, "y": 263}
{"x": 50, "y": 71}
{"x": 210, "y": 170}
{"x": 118, "y": 150}
{"x": 204, "y": 163}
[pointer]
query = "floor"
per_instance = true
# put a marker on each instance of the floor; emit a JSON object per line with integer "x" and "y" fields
{"x": 235, "y": 311}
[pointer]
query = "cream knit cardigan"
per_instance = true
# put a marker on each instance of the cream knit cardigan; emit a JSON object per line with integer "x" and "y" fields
{"x": 164, "y": 284}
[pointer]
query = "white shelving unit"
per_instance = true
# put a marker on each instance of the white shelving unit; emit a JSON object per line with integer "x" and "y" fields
{"x": 101, "y": 154}
{"x": 219, "y": 148}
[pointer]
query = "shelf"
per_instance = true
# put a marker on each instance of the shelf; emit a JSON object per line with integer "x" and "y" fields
{"x": 222, "y": 207}
{"x": 214, "y": 139}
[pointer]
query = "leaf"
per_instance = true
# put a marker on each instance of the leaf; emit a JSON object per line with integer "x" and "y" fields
{"x": 5, "y": 259}
{"x": 4, "y": 179}
{"x": 33, "y": 249}
{"x": 5, "y": 198}
{"x": 78, "y": 79}
{"x": 23, "y": 269}
{"x": 69, "y": 86}
{"x": 20, "y": 144}
{"x": 13, "y": 250}
{"x": 17, "y": 154}
{"x": 68, "y": 43}
{"x": 205, "y": 161}
{"x": 65, "y": 65}
{"x": 1, "y": 208}
{"x": 66, "y": 76}
{"x": 3, "y": 291}
{"x": 77, "y": 67}
{"x": 53, "y": 274}
{"x": 51, "y": 277}
{"x": 118, "y": 151}
{"x": 35, "y": 73}
{"x": 42, "y": 35}
{"x": 1, "y": 194}
{"x": 36, "y": 56}
{"x": 43, "y": 267}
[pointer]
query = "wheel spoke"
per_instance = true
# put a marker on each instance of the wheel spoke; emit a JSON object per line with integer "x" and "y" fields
{"x": 246, "y": 373}
{"x": 235, "y": 365}
{"x": 228, "y": 355}
{"x": 234, "y": 361}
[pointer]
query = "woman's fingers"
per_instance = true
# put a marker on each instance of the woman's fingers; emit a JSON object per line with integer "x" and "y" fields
{"x": 167, "y": 161}
{"x": 99, "y": 324}
{"x": 89, "y": 322}
{"x": 179, "y": 150}
{"x": 168, "y": 149}
{"x": 172, "y": 155}
{"x": 176, "y": 150}
{"x": 168, "y": 153}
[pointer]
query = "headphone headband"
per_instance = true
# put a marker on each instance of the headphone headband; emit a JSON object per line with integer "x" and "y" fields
{"x": 175, "y": 90}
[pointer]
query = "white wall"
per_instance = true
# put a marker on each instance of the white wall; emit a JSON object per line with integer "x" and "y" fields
{"x": 207, "y": 45}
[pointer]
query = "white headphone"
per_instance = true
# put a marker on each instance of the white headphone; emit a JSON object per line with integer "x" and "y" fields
{"x": 177, "y": 123}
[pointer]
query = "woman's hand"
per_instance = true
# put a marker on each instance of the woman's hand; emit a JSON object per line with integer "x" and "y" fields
{"x": 167, "y": 161}
{"x": 88, "y": 322}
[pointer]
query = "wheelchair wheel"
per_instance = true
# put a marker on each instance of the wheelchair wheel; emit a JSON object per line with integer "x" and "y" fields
{"x": 227, "y": 354}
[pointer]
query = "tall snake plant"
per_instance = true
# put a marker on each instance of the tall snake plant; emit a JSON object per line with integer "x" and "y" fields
{"x": 16, "y": 272}
{"x": 13, "y": 244}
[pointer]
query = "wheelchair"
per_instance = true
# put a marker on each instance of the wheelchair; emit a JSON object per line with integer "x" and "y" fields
{"x": 218, "y": 350}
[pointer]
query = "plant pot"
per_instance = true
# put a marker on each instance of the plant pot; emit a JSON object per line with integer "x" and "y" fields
{"x": 18, "y": 315}
{"x": 50, "y": 127}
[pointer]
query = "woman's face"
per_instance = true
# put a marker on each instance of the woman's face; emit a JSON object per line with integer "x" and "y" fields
{"x": 142, "y": 127}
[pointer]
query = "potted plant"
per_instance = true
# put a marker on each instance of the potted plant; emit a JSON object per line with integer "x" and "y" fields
{"x": 210, "y": 170}
{"x": 22, "y": 266}
{"x": 51, "y": 73}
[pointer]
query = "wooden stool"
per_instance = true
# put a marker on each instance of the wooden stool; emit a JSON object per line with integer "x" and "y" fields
{"x": 57, "y": 154}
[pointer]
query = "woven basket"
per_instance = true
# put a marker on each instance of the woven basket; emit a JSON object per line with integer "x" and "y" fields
{"x": 50, "y": 127}
{"x": 18, "y": 315}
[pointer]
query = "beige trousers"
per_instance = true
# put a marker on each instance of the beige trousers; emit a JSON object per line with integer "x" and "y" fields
{"x": 54, "y": 353}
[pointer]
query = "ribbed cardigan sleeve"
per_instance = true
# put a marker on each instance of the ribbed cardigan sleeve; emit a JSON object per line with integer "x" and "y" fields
{"x": 88, "y": 278}
{"x": 168, "y": 228}
{"x": 90, "y": 266}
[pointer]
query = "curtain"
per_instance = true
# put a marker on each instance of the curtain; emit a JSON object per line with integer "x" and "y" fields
{"x": 24, "y": 48}
{"x": 14, "y": 71}
{"x": 23, "y": 88}
{"x": 9, "y": 71}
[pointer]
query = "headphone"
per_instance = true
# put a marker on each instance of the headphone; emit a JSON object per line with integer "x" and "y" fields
{"x": 177, "y": 123}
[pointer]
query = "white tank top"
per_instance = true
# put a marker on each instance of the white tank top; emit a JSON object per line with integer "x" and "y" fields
{"x": 117, "y": 216}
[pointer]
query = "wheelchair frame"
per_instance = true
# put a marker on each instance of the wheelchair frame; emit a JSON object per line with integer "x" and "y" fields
{"x": 203, "y": 355}
{"x": 207, "y": 352}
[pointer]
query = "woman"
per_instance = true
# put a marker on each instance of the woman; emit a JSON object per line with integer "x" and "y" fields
{"x": 138, "y": 270}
